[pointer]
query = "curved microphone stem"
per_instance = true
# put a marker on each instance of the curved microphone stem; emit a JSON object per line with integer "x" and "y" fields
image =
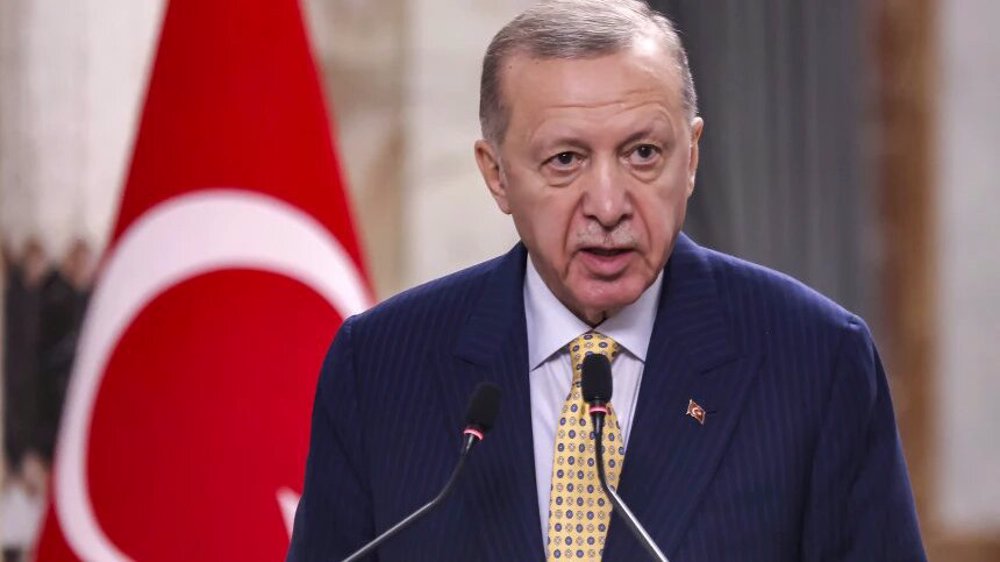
{"x": 471, "y": 437}
{"x": 623, "y": 511}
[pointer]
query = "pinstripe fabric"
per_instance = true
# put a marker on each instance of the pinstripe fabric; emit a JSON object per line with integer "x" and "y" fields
{"x": 798, "y": 458}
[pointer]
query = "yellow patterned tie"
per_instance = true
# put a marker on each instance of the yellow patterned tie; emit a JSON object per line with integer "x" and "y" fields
{"x": 579, "y": 512}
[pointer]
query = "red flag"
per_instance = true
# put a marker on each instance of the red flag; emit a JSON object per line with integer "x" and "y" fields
{"x": 232, "y": 263}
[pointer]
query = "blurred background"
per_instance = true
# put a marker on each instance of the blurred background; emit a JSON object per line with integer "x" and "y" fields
{"x": 851, "y": 144}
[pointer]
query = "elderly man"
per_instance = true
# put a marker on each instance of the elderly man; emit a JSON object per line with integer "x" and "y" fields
{"x": 750, "y": 420}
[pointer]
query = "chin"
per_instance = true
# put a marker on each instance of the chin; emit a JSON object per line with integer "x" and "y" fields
{"x": 609, "y": 296}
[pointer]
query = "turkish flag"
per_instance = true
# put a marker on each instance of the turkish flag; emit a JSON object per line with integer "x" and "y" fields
{"x": 232, "y": 264}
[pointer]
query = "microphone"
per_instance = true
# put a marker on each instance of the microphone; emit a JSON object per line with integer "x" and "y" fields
{"x": 595, "y": 383}
{"x": 484, "y": 405}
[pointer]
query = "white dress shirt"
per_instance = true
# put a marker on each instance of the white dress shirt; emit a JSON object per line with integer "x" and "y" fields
{"x": 551, "y": 326}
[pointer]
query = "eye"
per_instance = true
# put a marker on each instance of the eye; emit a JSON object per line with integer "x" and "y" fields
{"x": 644, "y": 154}
{"x": 564, "y": 160}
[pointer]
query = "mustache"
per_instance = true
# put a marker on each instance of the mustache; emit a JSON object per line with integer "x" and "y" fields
{"x": 620, "y": 237}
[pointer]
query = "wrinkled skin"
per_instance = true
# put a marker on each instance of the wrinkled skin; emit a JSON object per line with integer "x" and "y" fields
{"x": 596, "y": 167}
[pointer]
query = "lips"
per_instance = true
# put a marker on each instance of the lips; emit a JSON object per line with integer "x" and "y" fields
{"x": 605, "y": 262}
{"x": 606, "y": 252}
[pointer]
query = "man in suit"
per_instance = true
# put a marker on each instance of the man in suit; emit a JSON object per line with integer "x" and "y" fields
{"x": 751, "y": 418}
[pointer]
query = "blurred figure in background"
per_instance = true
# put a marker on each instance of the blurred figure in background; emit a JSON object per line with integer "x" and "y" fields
{"x": 64, "y": 298}
{"x": 22, "y": 494}
{"x": 43, "y": 312}
{"x": 22, "y": 330}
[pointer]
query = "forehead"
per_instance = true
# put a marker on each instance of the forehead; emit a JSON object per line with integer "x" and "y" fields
{"x": 536, "y": 89}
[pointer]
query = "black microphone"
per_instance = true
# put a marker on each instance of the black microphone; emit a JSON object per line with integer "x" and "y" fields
{"x": 596, "y": 386}
{"x": 484, "y": 405}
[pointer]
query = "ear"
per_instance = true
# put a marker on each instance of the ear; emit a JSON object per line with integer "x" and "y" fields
{"x": 697, "y": 126}
{"x": 488, "y": 159}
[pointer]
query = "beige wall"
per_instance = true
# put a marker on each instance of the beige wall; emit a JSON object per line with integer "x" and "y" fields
{"x": 967, "y": 389}
{"x": 452, "y": 222}
{"x": 73, "y": 74}
{"x": 403, "y": 79}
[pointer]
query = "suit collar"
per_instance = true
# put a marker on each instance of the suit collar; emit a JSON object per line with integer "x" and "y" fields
{"x": 551, "y": 326}
{"x": 500, "y": 309}
{"x": 690, "y": 316}
{"x": 689, "y": 312}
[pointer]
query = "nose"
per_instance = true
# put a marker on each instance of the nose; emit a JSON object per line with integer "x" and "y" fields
{"x": 605, "y": 195}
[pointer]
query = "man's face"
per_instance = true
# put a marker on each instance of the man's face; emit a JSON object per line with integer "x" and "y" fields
{"x": 596, "y": 168}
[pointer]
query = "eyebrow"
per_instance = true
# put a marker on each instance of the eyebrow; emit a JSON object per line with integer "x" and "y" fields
{"x": 644, "y": 133}
{"x": 561, "y": 142}
{"x": 570, "y": 141}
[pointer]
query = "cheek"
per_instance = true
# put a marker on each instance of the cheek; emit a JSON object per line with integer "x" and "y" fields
{"x": 663, "y": 212}
{"x": 543, "y": 217}
{"x": 553, "y": 224}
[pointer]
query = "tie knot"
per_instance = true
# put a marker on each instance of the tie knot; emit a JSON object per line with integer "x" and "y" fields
{"x": 588, "y": 344}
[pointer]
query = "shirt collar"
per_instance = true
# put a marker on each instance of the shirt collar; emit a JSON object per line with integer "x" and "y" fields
{"x": 550, "y": 325}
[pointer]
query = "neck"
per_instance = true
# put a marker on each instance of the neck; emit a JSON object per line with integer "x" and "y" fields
{"x": 593, "y": 318}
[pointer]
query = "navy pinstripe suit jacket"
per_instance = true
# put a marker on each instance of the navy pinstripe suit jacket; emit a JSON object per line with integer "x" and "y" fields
{"x": 798, "y": 459}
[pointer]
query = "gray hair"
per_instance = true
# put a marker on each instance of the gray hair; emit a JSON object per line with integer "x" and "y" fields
{"x": 572, "y": 29}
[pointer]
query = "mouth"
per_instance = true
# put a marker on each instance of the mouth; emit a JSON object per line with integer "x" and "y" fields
{"x": 606, "y": 262}
{"x": 606, "y": 252}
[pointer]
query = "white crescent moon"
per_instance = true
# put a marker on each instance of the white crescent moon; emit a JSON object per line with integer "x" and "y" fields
{"x": 183, "y": 237}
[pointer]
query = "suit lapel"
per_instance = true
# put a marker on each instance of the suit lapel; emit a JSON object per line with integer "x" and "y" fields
{"x": 500, "y": 485}
{"x": 671, "y": 457}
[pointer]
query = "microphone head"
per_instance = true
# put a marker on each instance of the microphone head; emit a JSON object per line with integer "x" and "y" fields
{"x": 484, "y": 405}
{"x": 595, "y": 379}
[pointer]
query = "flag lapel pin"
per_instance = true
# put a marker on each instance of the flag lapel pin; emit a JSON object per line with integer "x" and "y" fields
{"x": 696, "y": 411}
